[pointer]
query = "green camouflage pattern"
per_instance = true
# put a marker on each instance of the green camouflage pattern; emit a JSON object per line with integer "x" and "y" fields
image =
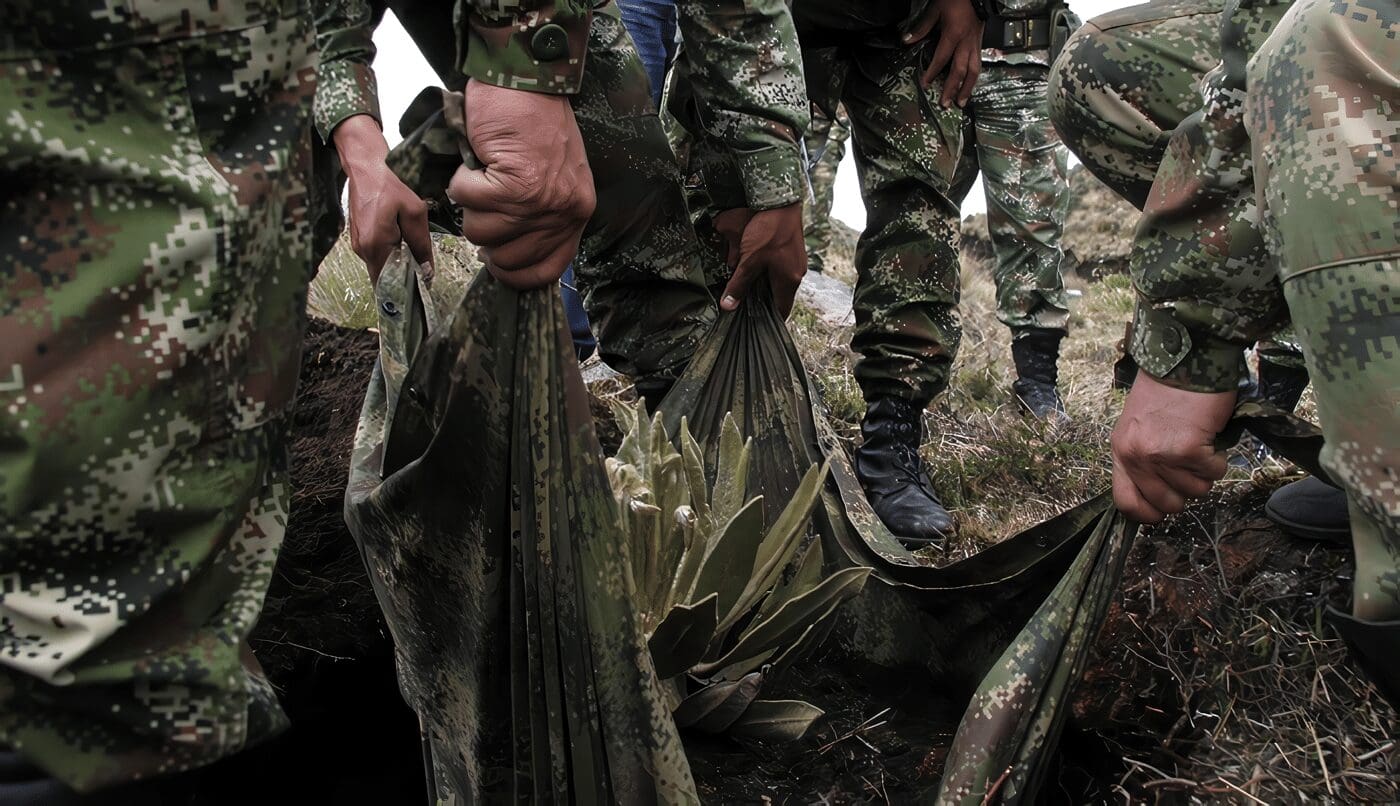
{"x": 156, "y": 252}
{"x": 1125, "y": 80}
{"x": 1001, "y": 751}
{"x": 533, "y": 45}
{"x": 476, "y": 480}
{"x": 36, "y": 30}
{"x": 738, "y": 85}
{"x": 1024, "y": 167}
{"x": 825, "y": 142}
{"x": 1324, "y": 124}
{"x": 1278, "y": 206}
{"x": 907, "y": 149}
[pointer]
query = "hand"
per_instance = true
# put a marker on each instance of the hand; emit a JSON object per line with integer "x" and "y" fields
{"x": 383, "y": 211}
{"x": 1164, "y": 448}
{"x": 767, "y": 242}
{"x": 959, "y": 48}
{"x": 528, "y": 204}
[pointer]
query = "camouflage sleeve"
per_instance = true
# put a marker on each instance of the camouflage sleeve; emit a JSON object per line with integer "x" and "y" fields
{"x": 533, "y": 45}
{"x": 748, "y": 97}
{"x": 345, "y": 84}
{"x": 1206, "y": 284}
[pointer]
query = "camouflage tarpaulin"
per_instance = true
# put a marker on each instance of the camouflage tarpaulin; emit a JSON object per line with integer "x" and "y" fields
{"x": 482, "y": 508}
{"x": 1009, "y": 731}
{"x": 952, "y": 621}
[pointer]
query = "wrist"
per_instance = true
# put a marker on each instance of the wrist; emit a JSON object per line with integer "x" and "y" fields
{"x": 360, "y": 143}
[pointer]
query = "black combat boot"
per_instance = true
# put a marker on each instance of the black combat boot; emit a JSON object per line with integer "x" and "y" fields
{"x": 893, "y": 475}
{"x": 1311, "y": 509}
{"x": 1036, "y": 352}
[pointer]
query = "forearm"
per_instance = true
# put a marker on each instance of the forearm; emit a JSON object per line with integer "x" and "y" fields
{"x": 360, "y": 142}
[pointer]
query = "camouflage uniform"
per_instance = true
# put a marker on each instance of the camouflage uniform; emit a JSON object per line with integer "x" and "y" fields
{"x": 155, "y": 244}
{"x": 1123, "y": 84}
{"x": 1217, "y": 265}
{"x": 642, "y": 272}
{"x": 826, "y": 147}
{"x": 906, "y": 152}
{"x": 1024, "y": 172}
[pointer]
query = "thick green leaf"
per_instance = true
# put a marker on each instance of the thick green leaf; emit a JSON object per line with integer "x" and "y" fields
{"x": 776, "y": 720}
{"x": 803, "y": 578}
{"x": 779, "y": 545}
{"x": 679, "y": 642}
{"x": 793, "y": 618}
{"x": 694, "y": 461}
{"x": 714, "y": 708}
{"x": 730, "y": 560}
{"x": 731, "y": 471}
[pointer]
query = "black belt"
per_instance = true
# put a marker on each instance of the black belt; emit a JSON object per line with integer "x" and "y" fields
{"x": 1004, "y": 34}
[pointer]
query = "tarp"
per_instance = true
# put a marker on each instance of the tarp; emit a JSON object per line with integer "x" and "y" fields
{"x": 481, "y": 506}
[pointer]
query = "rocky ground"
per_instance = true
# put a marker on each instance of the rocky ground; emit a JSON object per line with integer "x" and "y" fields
{"x": 1213, "y": 679}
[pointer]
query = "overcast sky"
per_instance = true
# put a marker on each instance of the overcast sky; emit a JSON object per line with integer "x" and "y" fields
{"x": 402, "y": 73}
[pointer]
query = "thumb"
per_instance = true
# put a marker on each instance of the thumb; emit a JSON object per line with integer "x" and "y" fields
{"x": 413, "y": 225}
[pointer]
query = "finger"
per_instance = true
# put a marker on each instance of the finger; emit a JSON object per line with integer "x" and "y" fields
{"x": 534, "y": 248}
{"x": 478, "y": 190}
{"x": 491, "y": 228}
{"x": 1157, "y": 492}
{"x": 974, "y": 69}
{"x": 1185, "y": 482}
{"x": 923, "y": 26}
{"x": 1127, "y": 498}
{"x": 375, "y": 253}
{"x": 738, "y": 286}
{"x": 784, "y": 290}
{"x": 952, "y": 85}
{"x": 547, "y": 270}
{"x": 941, "y": 55}
{"x": 413, "y": 224}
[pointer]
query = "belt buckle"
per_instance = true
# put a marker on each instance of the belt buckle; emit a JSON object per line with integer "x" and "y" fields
{"x": 1013, "y": 33}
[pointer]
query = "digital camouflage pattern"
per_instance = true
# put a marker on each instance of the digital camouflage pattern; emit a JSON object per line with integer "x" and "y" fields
{"x": 1024, "y": 167}
{"x": 1001, "y": 751}
{"x": 738, "y": 84}
{"x": 1126, "y": 79}
{"x": 906, "y": 152}
{"x": 1301, "y": 139}
{"x": 155, "y": 246}
{"x": 826, "y": 147}
{"x": 476, "y": 480}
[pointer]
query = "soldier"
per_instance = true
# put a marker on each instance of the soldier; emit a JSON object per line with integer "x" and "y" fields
{"x": 1303, "y": 136}
{"x": 155, "y": 244}
{"x": 642, "y": 273}
{"x": 878, "y": 61}
{"x": 1010, "y": 139}
{"x": 826, "y": 147}
{"x": 1123, "y": 84}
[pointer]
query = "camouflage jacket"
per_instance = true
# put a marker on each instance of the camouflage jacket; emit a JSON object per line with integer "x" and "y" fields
{"x": 34, "y": 27}
{"x": 1205, "y": 282}
{"x": 749, "y": 79}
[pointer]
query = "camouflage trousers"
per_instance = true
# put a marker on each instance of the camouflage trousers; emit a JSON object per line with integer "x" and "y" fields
{"x": 907, "y": 148}
{"x": 826, "y": 147}
{"x": 1025, "y": 174}
{"x": 1124, "y": 82}
{"x": 155, "y": 244}
{"x": 1126, "y": 79}
{"x": 1324, "y": 125}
